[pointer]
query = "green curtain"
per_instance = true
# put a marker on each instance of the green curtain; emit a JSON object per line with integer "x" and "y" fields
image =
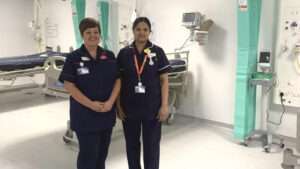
{"x": 245, "y": 94}
{"x": 103, "y": 7}
{"x": 78, "y": 13}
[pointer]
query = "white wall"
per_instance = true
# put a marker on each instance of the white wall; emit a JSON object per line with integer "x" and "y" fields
{"x": 16, "y": 38}
{"x": 57, "y": 16}
{"x": 212, "y": 67}
{"x": 211, "y": 88}
{"x": 268, "y": 31}
{"x": 60, "y": 13}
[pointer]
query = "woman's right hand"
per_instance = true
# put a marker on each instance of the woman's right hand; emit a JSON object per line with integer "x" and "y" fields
{"x": 97, "y": 106}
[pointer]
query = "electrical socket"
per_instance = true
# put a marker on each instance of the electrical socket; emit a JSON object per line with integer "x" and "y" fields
{"x": 281, "y": 94}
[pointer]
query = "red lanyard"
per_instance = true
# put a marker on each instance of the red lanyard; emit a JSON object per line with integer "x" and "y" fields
{"x": 139, "y": 69}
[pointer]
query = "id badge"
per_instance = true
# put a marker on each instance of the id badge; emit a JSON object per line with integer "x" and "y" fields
{"x": 140, "y": 89}
{"x": 83, "y": 71}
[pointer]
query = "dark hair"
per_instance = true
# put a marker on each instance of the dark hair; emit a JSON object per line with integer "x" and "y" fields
{"x": 87, "y": 23}
{"x": 139, "y": 20}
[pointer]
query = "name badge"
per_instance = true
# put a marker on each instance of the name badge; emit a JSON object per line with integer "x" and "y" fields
{"x": 140, "y": 89}
{"x": 83, "y": 71}
{"x": 84, "y": 58}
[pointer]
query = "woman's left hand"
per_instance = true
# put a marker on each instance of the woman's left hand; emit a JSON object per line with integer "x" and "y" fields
{"x": 163, "y": 113}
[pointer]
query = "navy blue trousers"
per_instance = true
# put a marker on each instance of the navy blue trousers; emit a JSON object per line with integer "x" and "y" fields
{"x": 93, "y": 149}
{"x": 151, "y": 131}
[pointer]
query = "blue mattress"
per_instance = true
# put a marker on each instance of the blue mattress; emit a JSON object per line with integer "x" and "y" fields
{"x": 177, "y": 65}
{"x": 31, "y": 61}
{"x": 27, "y": 61}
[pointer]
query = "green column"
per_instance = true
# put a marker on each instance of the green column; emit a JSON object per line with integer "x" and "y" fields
{"x": 78, "y": 13}
{"x": 248, "y": 21}
{"x": 103, "y": 7}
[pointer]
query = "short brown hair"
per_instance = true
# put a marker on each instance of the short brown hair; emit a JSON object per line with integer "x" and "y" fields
{"x": 87, "y": 23}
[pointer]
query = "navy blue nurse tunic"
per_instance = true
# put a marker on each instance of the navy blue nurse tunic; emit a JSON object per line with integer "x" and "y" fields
{"x": 141, "y": 109}
{"x": 97, "y": 84}
{"x": 141, "y": 106}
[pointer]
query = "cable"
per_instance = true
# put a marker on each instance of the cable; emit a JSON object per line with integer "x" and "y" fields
{"x": 283, "y": 112}
{"x": 184, "y": 44}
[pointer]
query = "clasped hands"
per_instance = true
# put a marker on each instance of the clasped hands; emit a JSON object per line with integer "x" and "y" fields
{"x": 102, "y": 107}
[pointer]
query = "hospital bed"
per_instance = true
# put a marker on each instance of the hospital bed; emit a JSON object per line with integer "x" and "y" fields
{"x": 53, "y": 87}
{"x": 14, "y": 67}
{"x": 177, "y": 84}
{"x": 177, "y": 80}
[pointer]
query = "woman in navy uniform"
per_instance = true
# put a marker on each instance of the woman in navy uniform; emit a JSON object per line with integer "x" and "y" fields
{"x": 144, "y": 95}
{"x": 90, "y": 75}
